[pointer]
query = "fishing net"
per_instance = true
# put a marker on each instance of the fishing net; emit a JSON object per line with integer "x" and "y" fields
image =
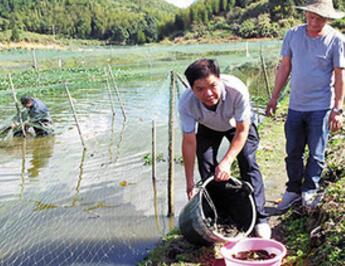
{"x": 63, "y": 205}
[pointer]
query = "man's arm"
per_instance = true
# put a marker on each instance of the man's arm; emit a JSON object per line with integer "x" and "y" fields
{"x": 280, "y": 81}
{"x": 188, "y": 153}
{"x": 336, "y": 119}
{"x": 222, "y": 172}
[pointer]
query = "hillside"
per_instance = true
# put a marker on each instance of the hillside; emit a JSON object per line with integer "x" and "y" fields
{"x": 117, "y": 21}
{"x": 211, "y": 19}
{"x": 142, "y": 21}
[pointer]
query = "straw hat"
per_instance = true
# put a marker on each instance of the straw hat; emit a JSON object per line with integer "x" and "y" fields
{"x": 323, "y": 8}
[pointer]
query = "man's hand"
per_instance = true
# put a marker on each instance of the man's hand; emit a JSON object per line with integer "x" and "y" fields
{"x": 14, "y": 125}
{"x": 222, "y": 172}
{"x": 191, "y": 191}
{"x": 335, "y": 121}
{"x": 271, "y": 107}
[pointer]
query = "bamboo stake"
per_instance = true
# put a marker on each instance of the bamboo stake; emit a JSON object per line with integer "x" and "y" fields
{"x": 247, "y": 50}
{"x": 182, "y": 80}
{"x": 154, "y": 151}
{"x": 35, "y": 65}
{"x": 154, "y": 185}
{"x": 117, "y": 93}
{"x": 264, "y": 70}
{"x": 34, "y": 60}
{"x": 75, "y": 115}
{"x": 184, "y": 83}
{"x": 110, "y": 95}
{"x": 17, "y": 106}
{"x": 171, "y": 207}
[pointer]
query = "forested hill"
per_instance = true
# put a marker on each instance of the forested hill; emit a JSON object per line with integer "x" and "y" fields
{"x": 119, "y": 21}
{"x": 242, "y": 18}
{"x": 141, "y": 21}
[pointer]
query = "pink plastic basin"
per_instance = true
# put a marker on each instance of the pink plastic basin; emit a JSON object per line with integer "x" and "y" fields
{"x": 248, "y": 244}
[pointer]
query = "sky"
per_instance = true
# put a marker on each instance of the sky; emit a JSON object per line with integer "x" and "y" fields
{"x": 181, "y": 3}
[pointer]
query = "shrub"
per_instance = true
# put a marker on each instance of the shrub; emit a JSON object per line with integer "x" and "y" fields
{"x": 15, "y": 35}
{"x": 248, "y": 29}
{"x": 221, "y": 24}
{"x": 266, "y": 28}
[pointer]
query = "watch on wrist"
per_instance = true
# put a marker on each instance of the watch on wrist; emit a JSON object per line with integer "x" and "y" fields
{"x": 338, "y": 111}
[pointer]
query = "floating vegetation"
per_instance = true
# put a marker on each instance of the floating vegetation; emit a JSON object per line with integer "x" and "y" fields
{"x": 40, "y": 206}
{"x": 123, "y": 183}
{"x": 148, "y": 158}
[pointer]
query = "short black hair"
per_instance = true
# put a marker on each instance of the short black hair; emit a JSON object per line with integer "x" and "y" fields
{"x": 25, "y": 99}
{"x": 200, "y": 69}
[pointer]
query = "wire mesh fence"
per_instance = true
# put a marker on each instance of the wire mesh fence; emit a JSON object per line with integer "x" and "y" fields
{"x": 61, "y": 205}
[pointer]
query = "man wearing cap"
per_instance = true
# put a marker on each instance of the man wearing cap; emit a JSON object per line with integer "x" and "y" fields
{"x": 39, "y": 116}
{"x": 313, "y": 54}
{"x": 219, "y": 105}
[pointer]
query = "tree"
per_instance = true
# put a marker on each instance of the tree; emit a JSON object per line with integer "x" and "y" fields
{"x": 231, "y": 4}
{"x": 179, "y": 22}
{"x": 140, "y": 19}
{"x": 99, "y": 22}
{"x": 281, "y": 9}
{"x": 141, "y": 37}
{"x": 223, "y": 5}
{"x": 216, "y": 7}
{"x": 150, "y": 29}
{"x": 15, "y": 35}
{"x": 118, "y": 34}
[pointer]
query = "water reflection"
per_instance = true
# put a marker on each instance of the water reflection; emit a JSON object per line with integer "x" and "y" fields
{"x": 22, "y": 171}
{"x": 155, "y": 206}
{"x": 114, "y": 151}
{"x": 80, "y": 178}
{"x": 41, "y": 150}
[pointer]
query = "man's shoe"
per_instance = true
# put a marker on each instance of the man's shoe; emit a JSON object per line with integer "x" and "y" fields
{"x": 289, "y": 199}
{"x": 263, "y": 230}
{"x": 310, "y": 199}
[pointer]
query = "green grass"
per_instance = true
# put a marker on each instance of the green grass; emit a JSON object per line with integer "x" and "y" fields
{"x": 45, "y": 39}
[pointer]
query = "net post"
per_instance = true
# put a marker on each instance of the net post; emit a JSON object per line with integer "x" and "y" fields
{"x": 74, "y": 115}
{"x": 171, "y": 155}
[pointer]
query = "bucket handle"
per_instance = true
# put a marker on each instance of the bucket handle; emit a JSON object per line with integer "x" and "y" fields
{"x": 240, "y": 185}
{"x": 210, "y": 202}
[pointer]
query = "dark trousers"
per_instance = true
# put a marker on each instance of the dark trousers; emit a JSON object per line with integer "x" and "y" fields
{"x": 208, "y": 142}
{"x": 45, "y": 130}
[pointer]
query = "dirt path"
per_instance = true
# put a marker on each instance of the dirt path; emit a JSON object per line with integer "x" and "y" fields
{"x": 271, "y": 156}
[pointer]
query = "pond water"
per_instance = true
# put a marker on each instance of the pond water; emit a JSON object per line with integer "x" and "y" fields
{"x": 61, "y": 205}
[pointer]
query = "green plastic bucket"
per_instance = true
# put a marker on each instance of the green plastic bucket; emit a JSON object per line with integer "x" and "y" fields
{"x": 232, "y": 200}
